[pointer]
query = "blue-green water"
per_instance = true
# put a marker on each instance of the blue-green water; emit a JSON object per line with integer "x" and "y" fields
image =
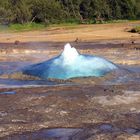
{"x": 71, "y": 64}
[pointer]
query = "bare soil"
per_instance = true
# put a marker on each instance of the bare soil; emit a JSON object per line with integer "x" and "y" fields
{"x": 82, "y": 33}
{"x": 85, "y": 107}
{"x": 96, "y": 109}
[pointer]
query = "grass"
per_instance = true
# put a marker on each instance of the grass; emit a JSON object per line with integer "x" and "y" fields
{"x": 72, "y": 25}
{"x": 36, "y": 26}
{"x": 26, "y": 27}
{"x": 63, "y": 25}
{"x": 68, "y": 24}
{"x": 116, "y": 21}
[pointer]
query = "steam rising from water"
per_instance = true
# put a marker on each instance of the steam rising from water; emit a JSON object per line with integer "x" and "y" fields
{"x": 71, "y": 64}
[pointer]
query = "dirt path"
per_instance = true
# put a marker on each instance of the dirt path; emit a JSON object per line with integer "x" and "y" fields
{"x": 81, "y": 32}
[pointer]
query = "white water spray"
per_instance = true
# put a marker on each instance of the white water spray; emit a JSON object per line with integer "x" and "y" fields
{"x": 69, "y": 54}
{"x": 71, "y": 64}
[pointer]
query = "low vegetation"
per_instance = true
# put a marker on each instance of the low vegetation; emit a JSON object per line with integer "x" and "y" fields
{"x": 26, "y": 26}
{"x": 66, "y": 11}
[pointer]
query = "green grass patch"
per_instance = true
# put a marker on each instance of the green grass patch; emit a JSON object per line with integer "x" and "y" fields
{"x": 116, "y": 21}
{"x": 72, "y": 25}
{"x": 38, "y": 26}
{"x": 64, "y": 25}
{"x": 69, "y": 24}
{"x": 26, "y": 27}
{"x": 106, "y": 21}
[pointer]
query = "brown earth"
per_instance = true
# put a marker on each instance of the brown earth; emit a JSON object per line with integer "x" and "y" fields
{"x": 100, "y": 111}
{"x": 77, "y": 32}
{"x": 87, "y": 107}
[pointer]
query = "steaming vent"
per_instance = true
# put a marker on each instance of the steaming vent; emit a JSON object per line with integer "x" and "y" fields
{"x": 70, "y": 64}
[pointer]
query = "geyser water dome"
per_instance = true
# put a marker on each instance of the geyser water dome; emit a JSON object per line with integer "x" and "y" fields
{"x": 70, "y": 64}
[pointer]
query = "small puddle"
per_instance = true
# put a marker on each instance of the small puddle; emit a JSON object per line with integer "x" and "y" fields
{"x": 10, "y": 67}
{"x": 132, "y": 75}
{"x": 106, "y": 127}
{"x": 132, "y": 68}
{"x": 47, "y": 134}
{"x": 131, "y": 130}
{"x": 8, "y": 83}
{"x": 68, "y": 133}
{"x": 8, "y": 92}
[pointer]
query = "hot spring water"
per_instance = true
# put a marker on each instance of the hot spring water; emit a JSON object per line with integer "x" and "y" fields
{"x": 70, "y": 64}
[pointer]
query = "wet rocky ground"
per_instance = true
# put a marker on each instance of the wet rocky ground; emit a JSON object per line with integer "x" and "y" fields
{"x": 93, "y": 112}
{"x": 107, "y": 108}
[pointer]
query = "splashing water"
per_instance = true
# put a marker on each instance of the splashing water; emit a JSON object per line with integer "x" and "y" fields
{"x": 71, "y": 64}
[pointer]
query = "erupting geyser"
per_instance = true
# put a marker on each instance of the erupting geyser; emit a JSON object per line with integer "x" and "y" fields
{"x": 71, "y": 64}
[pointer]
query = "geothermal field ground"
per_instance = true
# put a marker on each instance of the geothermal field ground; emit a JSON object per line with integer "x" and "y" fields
{"x": 105, "y": 107}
